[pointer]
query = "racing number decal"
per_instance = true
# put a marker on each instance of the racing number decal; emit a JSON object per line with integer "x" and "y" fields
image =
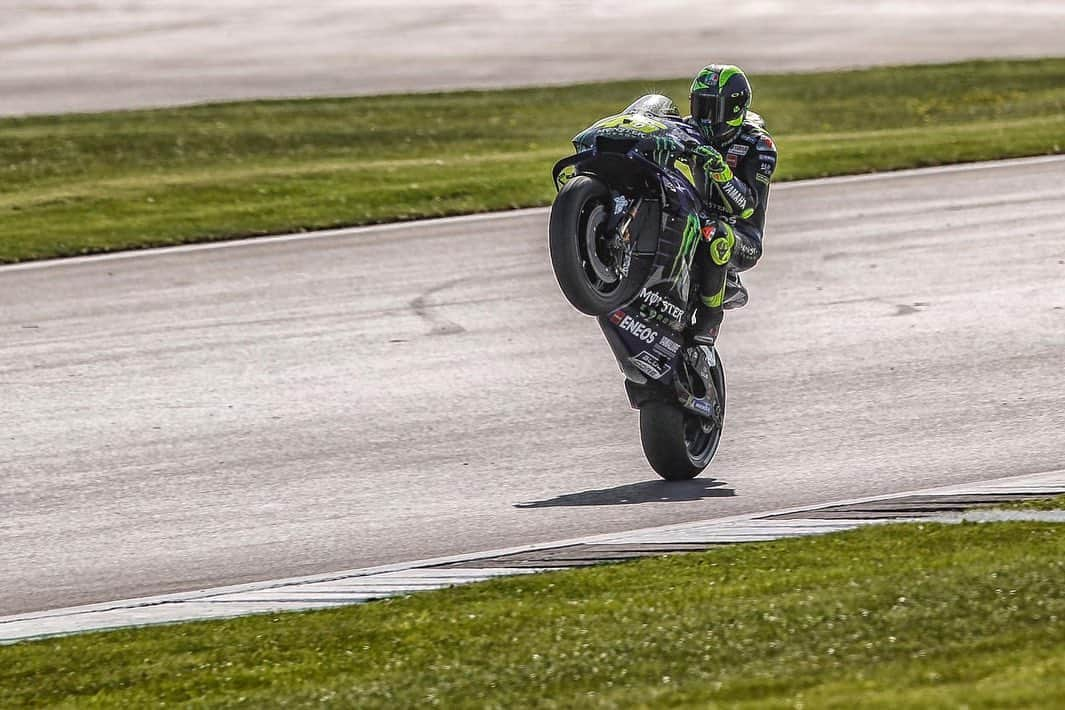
{"x": 567, "y": 174}
{"x": 636, "y": 122}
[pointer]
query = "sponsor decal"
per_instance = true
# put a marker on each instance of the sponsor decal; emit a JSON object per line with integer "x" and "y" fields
{"x": 766, "y": 143}
{"x": 616, "y": 317}
{"x": 621, "y": 132}
{"x": 640, "y": 330}
{"x": 761, "y": 178}
{"x": 735, "y": 152}
{"x": 737, "y": 196}
{"x": 667, "y": 346}
{"x": 702, "y": 406}
{"x": 709, "y": 231}
{"x": 651, "y": 315}
{"x": 649, "y": 365}
{"x": 655, "y": 300}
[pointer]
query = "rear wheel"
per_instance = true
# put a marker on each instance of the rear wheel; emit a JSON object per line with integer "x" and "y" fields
{"x": 586, "y": 256}
{"x": 677, "y": 443}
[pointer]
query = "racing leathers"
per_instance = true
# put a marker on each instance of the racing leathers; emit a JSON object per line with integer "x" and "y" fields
{"x": 734, "y": 183}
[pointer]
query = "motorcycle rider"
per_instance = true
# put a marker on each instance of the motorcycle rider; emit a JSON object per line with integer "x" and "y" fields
{"x": 736, "y": 163}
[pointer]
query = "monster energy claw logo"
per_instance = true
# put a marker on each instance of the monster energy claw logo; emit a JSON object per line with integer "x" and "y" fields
{"x": 663, "y": 150}
{"x": 719, "y": 251}
{"x": 682, "y": 262}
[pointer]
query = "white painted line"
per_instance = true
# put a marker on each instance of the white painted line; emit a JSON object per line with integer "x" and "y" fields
{"x": 918, "y": 172}
{"x": 748, "y": 531}
{"x": 999, "y": 516}
{"x": 173, "y": 608}
{"x": 361, "y": 585}
{"x": 1047, "y": 481}
{"x": 487, "y": 216}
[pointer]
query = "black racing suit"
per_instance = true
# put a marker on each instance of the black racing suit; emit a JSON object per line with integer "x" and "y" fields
{"x": 733, "y": 242}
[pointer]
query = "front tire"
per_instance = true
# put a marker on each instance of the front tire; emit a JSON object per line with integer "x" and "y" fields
{"x": 585, "y": 267}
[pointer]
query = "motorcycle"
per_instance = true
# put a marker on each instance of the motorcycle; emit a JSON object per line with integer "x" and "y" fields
{"x": 624, "y": 228}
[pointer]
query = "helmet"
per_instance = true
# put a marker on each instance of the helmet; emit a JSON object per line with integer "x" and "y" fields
{"x": 720, "y": 97}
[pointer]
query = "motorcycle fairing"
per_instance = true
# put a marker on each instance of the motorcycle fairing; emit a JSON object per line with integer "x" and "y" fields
{"x": 644, "y": 350}
{"x": 655, "y": 354}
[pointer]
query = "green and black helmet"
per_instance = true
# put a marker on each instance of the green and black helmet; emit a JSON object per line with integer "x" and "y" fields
{"x": 720, "y": 97}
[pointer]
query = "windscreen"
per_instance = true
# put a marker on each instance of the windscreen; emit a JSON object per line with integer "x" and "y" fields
{"x": 654, "y": 105}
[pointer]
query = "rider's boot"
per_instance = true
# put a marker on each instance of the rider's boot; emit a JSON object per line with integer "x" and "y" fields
{"x": 735, "y": 291}
{"x": 707, "y": 324}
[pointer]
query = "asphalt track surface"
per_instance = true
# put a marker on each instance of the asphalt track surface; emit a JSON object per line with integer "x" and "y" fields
{"x": 73, "y": 55}
{"x": 229, "y": 413}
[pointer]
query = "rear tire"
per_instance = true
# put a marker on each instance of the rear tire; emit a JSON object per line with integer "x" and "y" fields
{"x": 674, "y": 440}
{"x": 578, "y": 216}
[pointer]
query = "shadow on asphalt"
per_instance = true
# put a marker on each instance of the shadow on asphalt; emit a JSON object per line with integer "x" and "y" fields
{"x": 634, "y": 493}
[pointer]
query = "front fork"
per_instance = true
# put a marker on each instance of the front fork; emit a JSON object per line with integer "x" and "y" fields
{"x": 623, "y": 242}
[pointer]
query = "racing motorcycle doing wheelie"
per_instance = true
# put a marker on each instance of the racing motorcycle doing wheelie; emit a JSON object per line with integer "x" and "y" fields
{"x": 623, "y": 233}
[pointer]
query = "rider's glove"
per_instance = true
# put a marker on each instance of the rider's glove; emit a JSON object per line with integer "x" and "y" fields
{"x": 713, "y": 164}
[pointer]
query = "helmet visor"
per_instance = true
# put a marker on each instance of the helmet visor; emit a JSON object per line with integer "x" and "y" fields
{"x": 706, "y": 107}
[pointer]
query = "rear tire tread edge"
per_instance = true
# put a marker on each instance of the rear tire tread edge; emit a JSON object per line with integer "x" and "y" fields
{"x": 662, "y": 436}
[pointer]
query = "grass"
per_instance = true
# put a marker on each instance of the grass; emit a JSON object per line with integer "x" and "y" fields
{"x": 884, "y": 617}
{"x": 76, "y": 184}
{"x": 1054, "y": 503}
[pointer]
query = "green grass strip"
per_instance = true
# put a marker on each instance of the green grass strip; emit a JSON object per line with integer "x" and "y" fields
{"x": 99, "y": 182}
{"x": 1038, "y": 504}
{"x": 884, "y": 617}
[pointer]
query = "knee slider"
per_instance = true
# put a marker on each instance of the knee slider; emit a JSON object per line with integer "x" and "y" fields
{"x": 746, "y": 252}
{"x": 721, "y": 245}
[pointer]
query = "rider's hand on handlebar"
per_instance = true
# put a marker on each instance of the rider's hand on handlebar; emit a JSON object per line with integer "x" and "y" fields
{"x": 713, "y": 163}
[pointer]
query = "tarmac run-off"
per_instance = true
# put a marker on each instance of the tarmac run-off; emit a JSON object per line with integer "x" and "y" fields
{"x": 217, "y": 415}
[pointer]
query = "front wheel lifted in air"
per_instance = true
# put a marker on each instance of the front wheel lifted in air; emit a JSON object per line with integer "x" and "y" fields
{"x": 588, "y": 259}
